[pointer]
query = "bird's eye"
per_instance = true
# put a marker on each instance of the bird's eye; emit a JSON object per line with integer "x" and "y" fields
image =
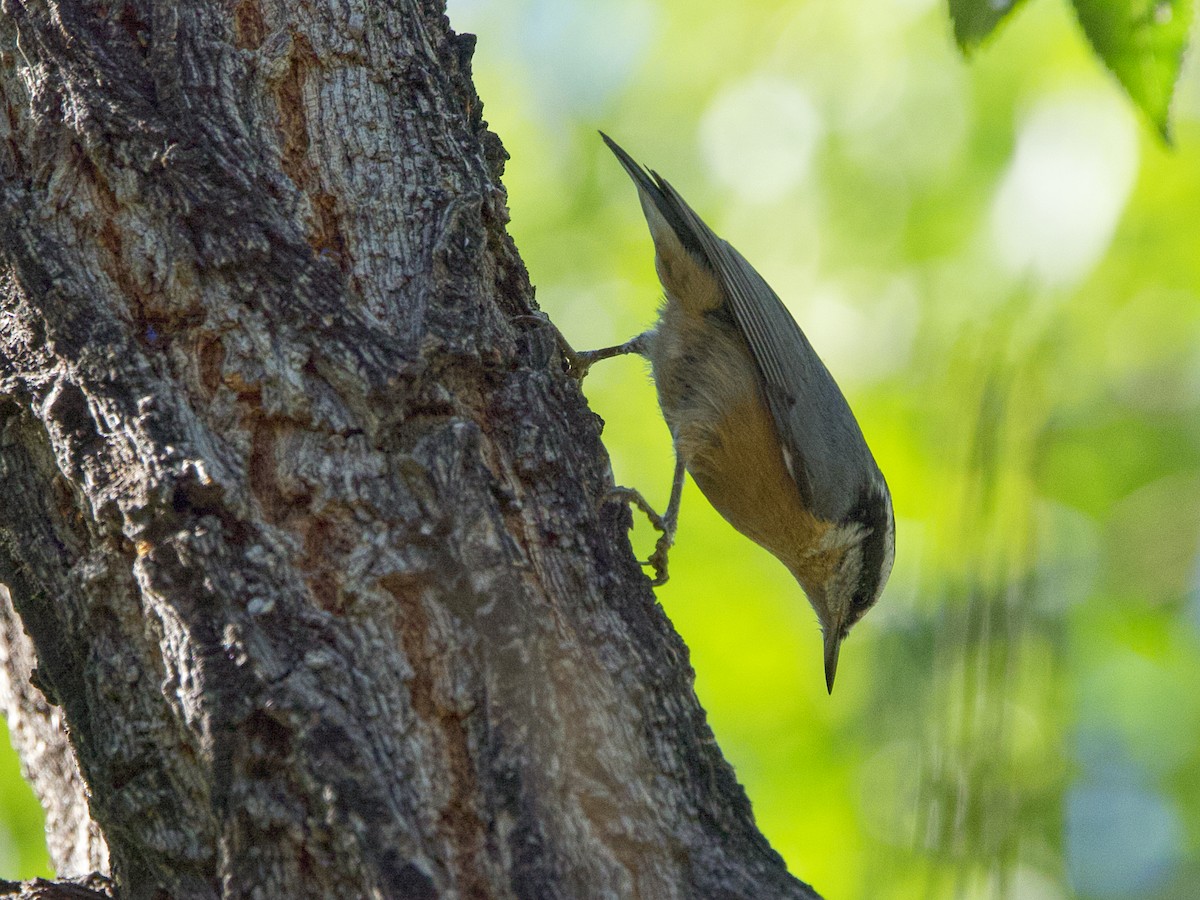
{"x": 862, "y": 600}
{"x": 865, "y": 591}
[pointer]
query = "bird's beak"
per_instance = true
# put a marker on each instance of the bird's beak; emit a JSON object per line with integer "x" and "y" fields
{"x": 833, "y": 643}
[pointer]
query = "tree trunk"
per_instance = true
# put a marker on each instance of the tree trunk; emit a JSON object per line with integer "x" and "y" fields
{"x": 306, "y": 534}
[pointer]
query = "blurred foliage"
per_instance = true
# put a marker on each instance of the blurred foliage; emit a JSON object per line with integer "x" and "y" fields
{"x": 997, "y": 261}
{"x": 22, "y": 844}
{"x": 1141, "y": 41}
{"x": 974, "y": 20}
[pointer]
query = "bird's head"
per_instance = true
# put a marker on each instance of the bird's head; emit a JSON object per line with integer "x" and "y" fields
{"x": 844, "y": 573}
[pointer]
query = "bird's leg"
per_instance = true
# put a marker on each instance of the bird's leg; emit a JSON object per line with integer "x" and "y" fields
{"x": 665, "y": 523}
{"x": 579, "y": 361}
{"x": 578, "y": 364}
{"x": 658, "y": 558}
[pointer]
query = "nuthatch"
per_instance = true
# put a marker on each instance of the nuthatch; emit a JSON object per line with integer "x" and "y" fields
{"x": 756, "y": 419}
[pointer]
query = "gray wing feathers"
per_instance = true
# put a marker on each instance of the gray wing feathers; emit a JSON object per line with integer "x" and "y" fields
{"x": 829, "y": 457}
{"x": 814, "y": 421}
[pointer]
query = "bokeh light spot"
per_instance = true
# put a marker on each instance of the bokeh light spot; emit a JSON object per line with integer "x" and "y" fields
{"x": 1066, "y": 186}
{"x": 759, "y": 137}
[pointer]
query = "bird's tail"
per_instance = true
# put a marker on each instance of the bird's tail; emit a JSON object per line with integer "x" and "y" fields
{"x": 657, "y": 192}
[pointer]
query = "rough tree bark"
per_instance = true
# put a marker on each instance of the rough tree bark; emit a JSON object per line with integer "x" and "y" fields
{"x": 314, "y": 589}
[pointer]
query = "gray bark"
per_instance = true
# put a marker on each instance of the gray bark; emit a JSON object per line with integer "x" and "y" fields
{"x": 305, "y": 538}
{"x": 91, "y": 887}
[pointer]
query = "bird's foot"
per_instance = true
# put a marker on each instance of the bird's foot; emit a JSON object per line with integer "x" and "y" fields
{"x": 580, "y": 361}
{"x": 657, "y": 559}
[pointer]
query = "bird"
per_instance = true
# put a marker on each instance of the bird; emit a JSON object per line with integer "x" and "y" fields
{"x": 756, "y": 419}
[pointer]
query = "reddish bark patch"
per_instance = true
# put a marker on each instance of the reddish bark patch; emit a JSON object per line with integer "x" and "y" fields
{"x": 210, "y": 357}
{"x": 293, "y": 120}
{"x": 249, "y": 29}
{"x": 459, "y": 821}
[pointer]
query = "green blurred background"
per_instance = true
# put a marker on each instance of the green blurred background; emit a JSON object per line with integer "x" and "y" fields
{"x": 998, "y": 261}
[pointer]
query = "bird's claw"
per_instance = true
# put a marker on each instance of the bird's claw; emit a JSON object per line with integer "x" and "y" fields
{"x": 657, "y": 559}
{"x": 579, "y": 362}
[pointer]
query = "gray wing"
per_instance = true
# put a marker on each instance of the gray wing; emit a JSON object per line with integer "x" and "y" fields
{"x": 826, "y": 451}
{"x": 813, "y": 418}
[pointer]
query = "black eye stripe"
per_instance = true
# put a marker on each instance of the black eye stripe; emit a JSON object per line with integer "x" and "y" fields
{"x": 871, "y": 512}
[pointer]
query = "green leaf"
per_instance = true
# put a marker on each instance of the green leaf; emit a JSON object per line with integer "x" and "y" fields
{"x": 1142, "y": 41}
{"x": 974, "y": 20}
